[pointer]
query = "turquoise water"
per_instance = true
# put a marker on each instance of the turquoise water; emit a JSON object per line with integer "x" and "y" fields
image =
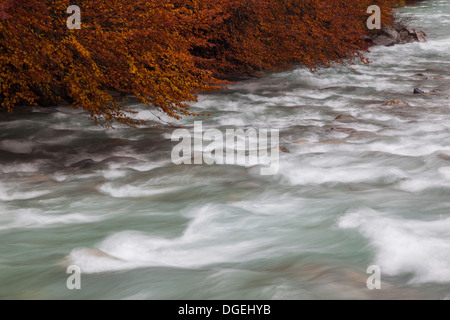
{"x": 370, "y": 189}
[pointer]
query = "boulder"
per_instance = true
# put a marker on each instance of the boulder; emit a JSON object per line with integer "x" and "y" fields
{"x": 421, "y": 36}
{"x": 391, "y": 33}
{"x": 418, "y": 91}
{"x": 383, "y": 40}
{"x": 416, "y": 34}
{"x": 405, "y": 37}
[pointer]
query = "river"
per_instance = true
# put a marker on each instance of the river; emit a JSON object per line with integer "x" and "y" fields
{"x": 360, "y": 183}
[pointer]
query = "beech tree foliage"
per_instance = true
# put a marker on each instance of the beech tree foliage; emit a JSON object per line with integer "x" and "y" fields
{"x": 165, "y": 52}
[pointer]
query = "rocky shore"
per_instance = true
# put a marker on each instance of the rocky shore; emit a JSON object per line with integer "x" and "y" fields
{"x": 397, "y": 34}
{"x": 389, "y": 35}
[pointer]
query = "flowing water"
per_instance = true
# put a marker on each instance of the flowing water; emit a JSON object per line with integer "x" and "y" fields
{"x": 369, "y": 188}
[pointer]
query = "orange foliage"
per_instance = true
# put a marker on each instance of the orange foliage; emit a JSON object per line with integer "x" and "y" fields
{"x": 165, "y": 51}
{"x": 276, "y": 34}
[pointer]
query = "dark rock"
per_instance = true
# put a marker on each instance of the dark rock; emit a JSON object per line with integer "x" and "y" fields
{"x": 410, "y": 31}
{"x": 405, "y": 37}
{"x": 418, "y": 91}
{"x": 84, "y": 164}
{"x": 383, "y": 40}
{"x": 421, "y": 36}
{"x": 127, "y": 160}
{"x": 416, "y": 34}
{"x": 391, "y": 33}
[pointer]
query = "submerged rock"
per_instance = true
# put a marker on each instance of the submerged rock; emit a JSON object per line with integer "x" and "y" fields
{"x": 444, "y": 156}
{"x": 344, "y": 130}
{"x": 87, "y": 253}
{"x": 418, "y": 91}
{"x": 98, "y": 253}
{"x": 118, "y": 159}
{"x": 38, "y": 177}
{"x": 301, "y": 141}
{"x": 332, "y": 141}
{"x": 396, "y": 102}
{"x": 284, "y": 149}
{"x": 345, "y": 118}
{"x": 84, "y": 164}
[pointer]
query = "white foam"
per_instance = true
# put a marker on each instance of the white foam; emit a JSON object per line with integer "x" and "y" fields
{"x": 17, "y": 146}
{"x": 151, "y": 114}
{"x": 34, "y": 218}
{"x": 114, "y": 174}
{"x": 421, "y": 184}
{"x": 200, "y": 245}
{"x": 59, "y": 177}
{"x": 421, "y": 181}
{"x": 19, "y": 167}
{"x": 9, "y": 194}
{"x": 405, "y": 246}
{"x": 445, "y": 173}
{"x": 141, "y": 166}
{"x": 357, "y": 174}
{"x": 408, "y": 147}
{"x": 131, "y": 191}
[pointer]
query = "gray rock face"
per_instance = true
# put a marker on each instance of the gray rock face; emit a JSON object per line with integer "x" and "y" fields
{"x": 384, "y": 41}
{"x": 421, "y": 36}
{"x": 406, "y": 37}
{"x": 391, "y": 33}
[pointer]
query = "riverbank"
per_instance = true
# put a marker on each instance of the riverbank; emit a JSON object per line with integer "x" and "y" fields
{"x": 189, "y": 49}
